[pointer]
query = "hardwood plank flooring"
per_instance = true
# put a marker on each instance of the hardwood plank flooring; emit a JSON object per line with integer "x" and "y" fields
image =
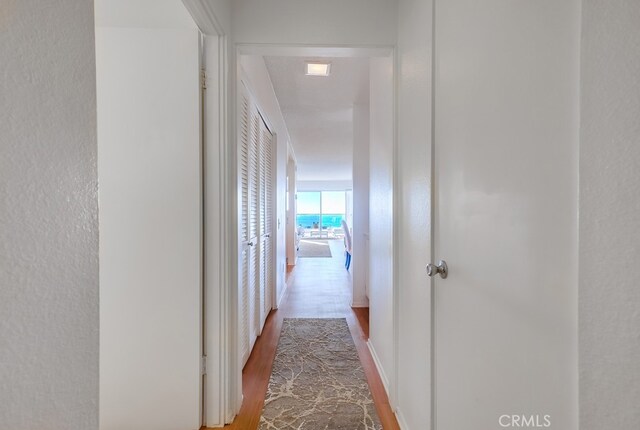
{"x": 317, "y": 288}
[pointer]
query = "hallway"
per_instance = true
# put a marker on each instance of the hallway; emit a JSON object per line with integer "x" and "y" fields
{"x": 317, "y": 288}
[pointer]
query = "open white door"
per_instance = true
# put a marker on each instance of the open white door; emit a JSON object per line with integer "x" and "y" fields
{"x": 506, "y": 214}
{"x": 150, "y": 228}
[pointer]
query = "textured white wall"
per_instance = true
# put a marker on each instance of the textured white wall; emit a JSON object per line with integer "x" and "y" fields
{"x": 360, "y": 264}
{"x": 259, "y": 83}
{"x": 414, "y": 212}
{"x": 48, "y": 217}
{"x": 610, "y": 216}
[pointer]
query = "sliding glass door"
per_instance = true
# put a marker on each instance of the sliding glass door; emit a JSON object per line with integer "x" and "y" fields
{"x": 309, "y": 209}
{"x": 333, "y": 208}
{"x": 321, "y": 211}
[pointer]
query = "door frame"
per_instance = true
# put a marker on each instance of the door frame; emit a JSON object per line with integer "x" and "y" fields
{"x": 217, "y": 343}
{"x": 222, "y": 391}
{"x": 235, "y": 78}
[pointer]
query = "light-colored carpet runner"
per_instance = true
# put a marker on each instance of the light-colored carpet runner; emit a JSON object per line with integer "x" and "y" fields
{"x": 317, "y": 381}
{"x": 310, "y": 248}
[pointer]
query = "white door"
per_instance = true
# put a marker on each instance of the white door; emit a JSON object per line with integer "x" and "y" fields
{"x": 150, "y": 228}
{"x": 248, "y": 202}
{"x": 254, "y": 227}
{"x": 244, "y": 130}
{"x": 506, "y": 193}
{"x": 255, "y": 205}
{"x": 267, "y": 208}
{"x": 262, "y": 214}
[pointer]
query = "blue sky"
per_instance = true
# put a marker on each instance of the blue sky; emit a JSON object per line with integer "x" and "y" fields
{"x": 333, "y": 202}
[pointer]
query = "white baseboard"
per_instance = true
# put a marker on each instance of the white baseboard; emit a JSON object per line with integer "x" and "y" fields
{"x": 381, "y": 372}
{"x": 401, "y": 421}
{"x": 360, "y": 304}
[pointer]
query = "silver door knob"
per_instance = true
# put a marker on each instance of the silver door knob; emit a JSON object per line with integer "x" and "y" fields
{"x": 441, "y": 268}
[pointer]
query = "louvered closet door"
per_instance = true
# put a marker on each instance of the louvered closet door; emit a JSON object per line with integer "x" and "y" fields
{"x": 254, "y": 225}
{"x": 269, "y": 261}
{"x": 244, "y": 204}
{"x": 266, "y": 220}
{"x": 256, "y": 271}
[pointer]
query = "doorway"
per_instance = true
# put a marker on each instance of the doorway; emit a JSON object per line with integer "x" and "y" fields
{"x": 314, "y": 212}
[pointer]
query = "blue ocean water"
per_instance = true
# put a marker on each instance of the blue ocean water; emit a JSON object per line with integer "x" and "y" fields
{"x": 328, "y": 220}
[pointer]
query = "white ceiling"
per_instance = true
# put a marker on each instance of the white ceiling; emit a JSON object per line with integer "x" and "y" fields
{"x": 318, "y": 112}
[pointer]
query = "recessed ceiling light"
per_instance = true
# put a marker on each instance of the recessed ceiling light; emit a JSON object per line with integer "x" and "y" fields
{"x": 317, "y": 69}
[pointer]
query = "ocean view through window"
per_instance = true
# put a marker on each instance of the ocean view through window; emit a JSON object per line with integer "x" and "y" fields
{"x": 320, "y": 210}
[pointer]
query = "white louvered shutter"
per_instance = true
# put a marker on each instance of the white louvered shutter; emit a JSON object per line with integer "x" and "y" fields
{"x": 257, "y": 212}
{"x": 254, "y": 224}
{"x": 243, "y": 167}
{"x": 262, "y": 213}
{"x": 269, "y": 269}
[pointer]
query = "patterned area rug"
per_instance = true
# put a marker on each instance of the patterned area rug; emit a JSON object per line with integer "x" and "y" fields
{"x": 317, "y": 381}
{"x": 309, "y": 248}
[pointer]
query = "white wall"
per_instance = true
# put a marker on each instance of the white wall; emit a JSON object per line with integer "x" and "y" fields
{"x": 329, "y": 22}
{"x": 609, "y": 216}
{"x": 150, "y": 216}
{"x": 254, "y": 70}
{"x": 291, "y": 231}
{"x": 360, "y": 264}
{"x": 324, "y": 185}
{"x": 381, "y": 202}
{"x": 414, "y": 212}
{"x": 48, "y": 217}
{"x": 349, "y": 214}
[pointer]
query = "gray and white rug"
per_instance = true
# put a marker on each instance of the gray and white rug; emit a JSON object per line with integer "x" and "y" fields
{"x": 314, "y": 248}
{"x": 317, "y": 381}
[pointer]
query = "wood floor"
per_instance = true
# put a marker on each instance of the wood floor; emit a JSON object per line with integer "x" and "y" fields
{"x": 317, "y": 288}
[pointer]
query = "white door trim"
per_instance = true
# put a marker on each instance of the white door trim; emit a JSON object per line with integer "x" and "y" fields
{"x": 338, "y": 51}
{"x": 218, "y": 340}
{"x": 225, "y": 394}
{"x": 310, "y": 50}
{"x": 219, "y": 328}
